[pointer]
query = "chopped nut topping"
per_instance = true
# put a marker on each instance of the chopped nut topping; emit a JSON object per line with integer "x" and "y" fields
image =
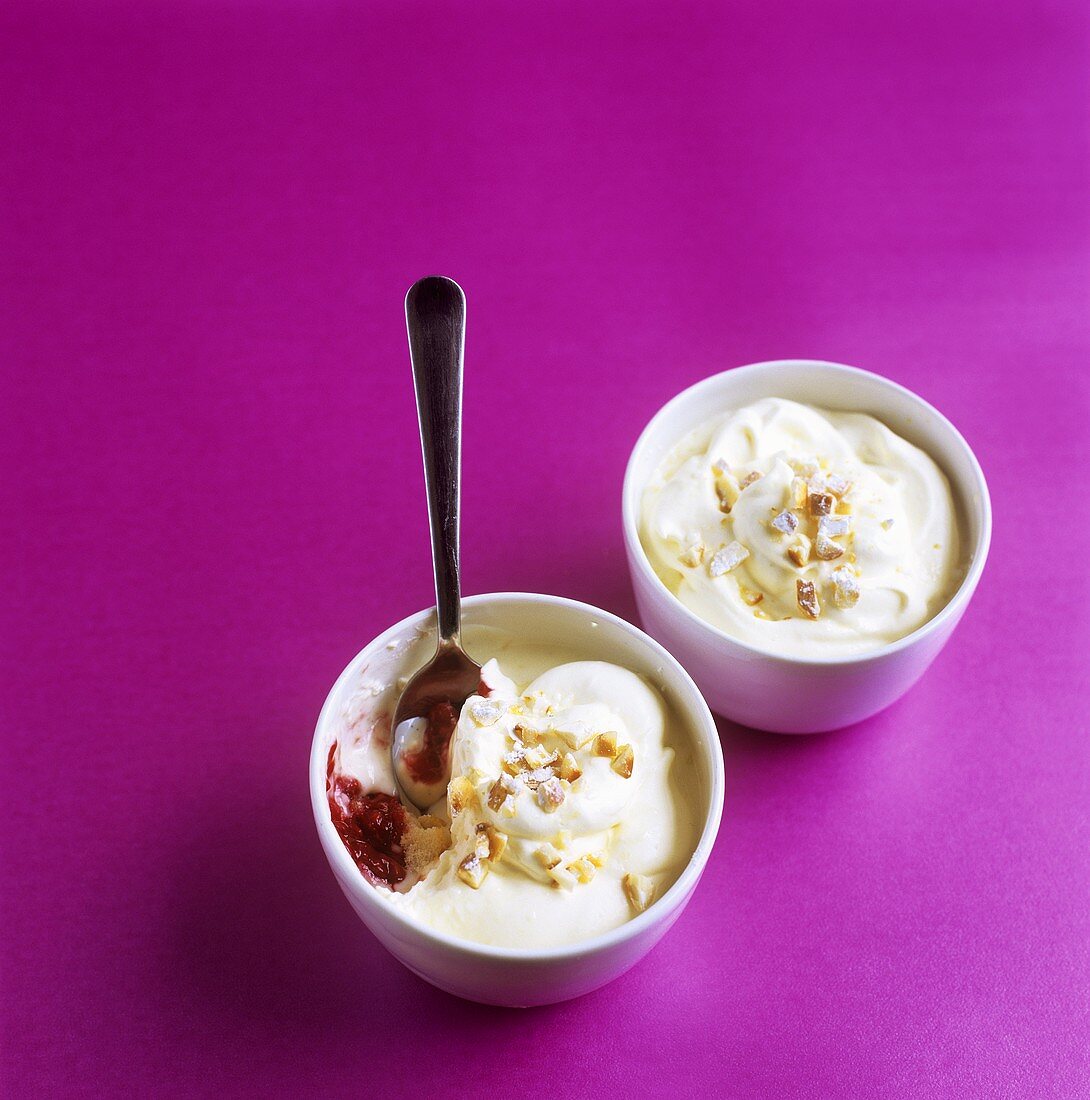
{"x": 693, "y": 555}
{"x": 597, "y": 858}
{"x": 568, "y": 769}
{"x": 726, "y": 486}
{"x": 623, "y": 761}
{"x": 534, "y": 779}
{"x": 805, "y": 470}
{"x": 845, "y": 588}
{"x": 472, "y": 871}
{"x": 481, "y": 846}
{"x": 799, "y": 551}
{"x": 605, "y": 744}
{"x": 787, "y": 522}
{"x": 727, "y": 558}
{"x": 486, "y": 712}
{"x": 583, "y": 869}
{"x": 538, "y": 757}
{"x": 832, "y": 526}
{"x": 750, "y": 597}
{"x": 515, "y": 760}
{"x": 494, "y": 844}
{"x": 547, "y": 856}
{"x": 821, "y": 504}
{"x": 460, "y": 794}
{"x": 799, "y": 492}
{"x": 749, "y": 479}
{"x": 527, "y": 735}
{"x": 827, "y": 549}
{"x": 807, "y": 598}
{"x": 550, "y": 795}
{"x": 639, "y": 890}
{"x": 837, "y": 485}
{"x": 500, "y": 791}
{"x": 887, "y": 523}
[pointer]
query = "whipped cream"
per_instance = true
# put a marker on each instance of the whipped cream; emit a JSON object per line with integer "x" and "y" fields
{"x": 566, "y": 813}
{"x": 802, "y": 531}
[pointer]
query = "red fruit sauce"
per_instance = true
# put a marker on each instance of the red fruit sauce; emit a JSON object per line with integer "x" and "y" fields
{"x": 427, "y": 764}
{"x": 371, "y": 824}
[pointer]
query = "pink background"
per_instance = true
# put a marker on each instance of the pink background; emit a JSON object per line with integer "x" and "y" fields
{"x": 212, "y": 499}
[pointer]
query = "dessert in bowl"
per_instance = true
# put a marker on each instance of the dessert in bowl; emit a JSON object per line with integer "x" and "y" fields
{"x": 586, "y": 790}
{"x": 805, "y": 536}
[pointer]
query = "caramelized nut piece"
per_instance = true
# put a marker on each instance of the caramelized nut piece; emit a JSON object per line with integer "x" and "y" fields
{"x": 799, "y": 551}
{"x": 605, "y": 744}
{"x": 472, "y": 871}
{"x": 749, "y": 479}
{"x": 836, "y": 484}
{"x": 490, "y": 842}
{"x": 799, "y": 492}
{"x": 597, "y": 858}
{"x": 460, "y": 794}
{"x": 639, "y": 890}
{"x": 787, "y": 522}
{"x": 515, "y": 760}
{"x": 486, "y": 712}
{"x": 826, "y": 549}
{"x": 568, "y": 769}
{"x": 583, "y": 869}
{"x": 750, "y": 597}
{"x": 693, "y": 555}
{"x": 500, "y": 791}
{"x": 833, "y": 526}
{"x": 727, "y": 558}
{"x": 805, "y": 470}
{"x": 845, "y": 588}
{"x": 623, "y": 761}
{"x": 726, "y": 486}
{"x": 527, "y": 735}
{"x": 550, "y": 795}
{"x": 821, "y": 504}
{"x": 547, "y": 856}
{"x": 807, "y": 598}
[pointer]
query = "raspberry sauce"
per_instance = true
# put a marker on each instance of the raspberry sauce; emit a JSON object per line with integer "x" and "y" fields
{"x": 427, "y": 764}
{"x": 371, "y": 825}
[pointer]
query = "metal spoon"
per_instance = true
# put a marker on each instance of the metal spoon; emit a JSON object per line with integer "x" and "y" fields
{"x": 435, "y": 312}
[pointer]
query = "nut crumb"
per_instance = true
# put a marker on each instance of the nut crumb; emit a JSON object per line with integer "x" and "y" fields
{"x": 640, "y": 890}
{"x": 727, "y": 558}
{"x": 623, "y": 762}
{"x": 827, "y": 549}
{"x": 472, "y": 871}
{"x": 786, "y": 522}
{"x": 821, "y": 504}
{"x": 845, "y": 588}
{"x": 807, "y": 598}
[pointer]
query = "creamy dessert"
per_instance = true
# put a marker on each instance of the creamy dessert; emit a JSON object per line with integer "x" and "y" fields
{"x": 569, "y": 808}
{"x": 803, "y": 531}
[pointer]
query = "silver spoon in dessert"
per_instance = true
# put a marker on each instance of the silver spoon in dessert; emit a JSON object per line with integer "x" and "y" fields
{"x": 435, "y": 312}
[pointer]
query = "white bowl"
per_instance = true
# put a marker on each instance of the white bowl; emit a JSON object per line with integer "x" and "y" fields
{"x": 757, "y": 687}
{"x": 510, "y": 976}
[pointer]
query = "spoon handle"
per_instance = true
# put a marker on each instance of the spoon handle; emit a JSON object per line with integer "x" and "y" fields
{"x": 435, "y": 312}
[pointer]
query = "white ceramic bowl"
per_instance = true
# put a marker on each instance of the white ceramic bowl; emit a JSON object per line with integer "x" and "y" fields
{"x": 508, "y": 976}
{"x": 760, "y": 688}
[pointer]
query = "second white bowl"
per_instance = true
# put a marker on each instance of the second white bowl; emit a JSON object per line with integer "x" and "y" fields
{"x": 792, "y": 694}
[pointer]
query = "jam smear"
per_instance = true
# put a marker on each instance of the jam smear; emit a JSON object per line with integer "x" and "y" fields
{"x": 427, "y": 764}
{"x": 371, "y": 824}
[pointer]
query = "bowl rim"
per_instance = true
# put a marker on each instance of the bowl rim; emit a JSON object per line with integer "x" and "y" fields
{"x": 951, "y": 610}
{"x": 662, "y": 909}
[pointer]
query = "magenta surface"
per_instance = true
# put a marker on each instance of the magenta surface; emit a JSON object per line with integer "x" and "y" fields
{"x": 212, "y": 499}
